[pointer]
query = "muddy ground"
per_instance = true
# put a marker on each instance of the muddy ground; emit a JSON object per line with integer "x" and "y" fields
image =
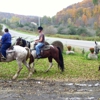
{"x": 49, "y": 90}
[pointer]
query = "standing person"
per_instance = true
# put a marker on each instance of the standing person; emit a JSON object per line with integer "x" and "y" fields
{"x": 40, "y": 41}
{"x": 5, "y": 43}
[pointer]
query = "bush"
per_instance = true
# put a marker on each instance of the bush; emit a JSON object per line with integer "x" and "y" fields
{"x": 1, "y": 28}
{"x": 50, "y": 30}
{"x": 63, "y": 30}
{"x": 72, "y": 30}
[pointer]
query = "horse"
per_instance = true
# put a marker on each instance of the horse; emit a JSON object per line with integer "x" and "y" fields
{"x": 51, "y": 53}
{"x": 24, "y": 43}
{"x": 96, "y": 48}
{"x": 47, "y": 51}
{"x": 20, "y": 54}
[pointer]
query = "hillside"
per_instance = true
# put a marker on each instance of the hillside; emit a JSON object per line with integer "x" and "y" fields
{"x": 10, "y": 16}
{"x": 80, "y": 14}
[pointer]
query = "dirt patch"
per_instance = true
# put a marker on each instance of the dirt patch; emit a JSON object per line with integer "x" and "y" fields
{"x": 49, "y": 90}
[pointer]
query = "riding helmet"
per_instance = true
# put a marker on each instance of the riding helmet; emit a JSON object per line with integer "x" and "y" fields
{"x": 40, "y": 28}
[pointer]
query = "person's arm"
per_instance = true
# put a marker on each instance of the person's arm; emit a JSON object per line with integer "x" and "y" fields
{"x": 41, "y": 38}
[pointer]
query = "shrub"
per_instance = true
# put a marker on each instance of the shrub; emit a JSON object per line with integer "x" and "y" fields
{"x": 1, "y": 28}
{"x": 50, "y": 30}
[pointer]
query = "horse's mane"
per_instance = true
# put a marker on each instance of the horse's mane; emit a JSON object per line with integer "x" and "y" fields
{"x": 24, "y": 42}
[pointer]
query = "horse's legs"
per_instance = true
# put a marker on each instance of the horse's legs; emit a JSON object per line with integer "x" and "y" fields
{"x": 19, "y": 69}
{"x": 29, "y": 69}
{"x": 25, "y": 63}
{"x": 31, "y": 64}
{"x": 50, "y": 60}
{"x": 57, "y": 60}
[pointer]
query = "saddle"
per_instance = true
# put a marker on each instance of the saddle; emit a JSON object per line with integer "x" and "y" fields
{"x": 43, "y": 48}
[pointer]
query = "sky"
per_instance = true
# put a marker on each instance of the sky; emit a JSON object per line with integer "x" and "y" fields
{"x": 35, "y": 7}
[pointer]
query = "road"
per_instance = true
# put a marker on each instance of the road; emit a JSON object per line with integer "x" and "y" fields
{"x": 75, "y": 43}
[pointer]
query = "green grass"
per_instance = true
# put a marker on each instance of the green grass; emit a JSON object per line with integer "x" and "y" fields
{"x": 77, "y": 68}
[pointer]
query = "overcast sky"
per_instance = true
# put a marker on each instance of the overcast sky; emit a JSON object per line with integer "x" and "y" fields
{"x": 35, "y": 7}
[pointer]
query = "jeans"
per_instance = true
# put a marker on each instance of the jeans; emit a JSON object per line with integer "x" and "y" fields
{"x": 38, "y": 48}
{"x": 4, "y": 47}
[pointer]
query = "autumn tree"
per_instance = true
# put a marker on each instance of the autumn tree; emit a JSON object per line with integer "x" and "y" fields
{"x": 14, "y": 19}
{"x": 84, "y": 18}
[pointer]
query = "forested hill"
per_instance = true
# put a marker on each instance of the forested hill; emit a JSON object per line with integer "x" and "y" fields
{"x": 81, "y": 13}
{"x": 14, "y": 17}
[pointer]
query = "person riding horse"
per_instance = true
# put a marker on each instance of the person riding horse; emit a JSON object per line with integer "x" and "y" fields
{"x": 39, "y": 42}
{"x": 5, "y": 43}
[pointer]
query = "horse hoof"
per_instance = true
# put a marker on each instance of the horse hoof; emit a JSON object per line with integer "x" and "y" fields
{"x": 14, "y": 79}
{"x": 35, "y": 71}
{"x": 46, "y": 71}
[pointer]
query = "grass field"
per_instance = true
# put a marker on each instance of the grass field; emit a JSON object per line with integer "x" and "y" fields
{"x": 77, "y": 68}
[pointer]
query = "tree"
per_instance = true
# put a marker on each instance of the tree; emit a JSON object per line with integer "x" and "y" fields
{"x": 1, "y": 28}
{"x": 95, "y": 2}
{"x": 84, "y": 18}
{"x": 14, "y": 19}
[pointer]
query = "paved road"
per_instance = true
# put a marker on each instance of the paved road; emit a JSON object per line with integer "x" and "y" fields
{"x": 76, "y": 43}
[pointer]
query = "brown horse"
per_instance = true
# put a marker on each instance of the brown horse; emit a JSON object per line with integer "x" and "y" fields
{"x": 51, "y": 52}
{"x": 48, "y": 51}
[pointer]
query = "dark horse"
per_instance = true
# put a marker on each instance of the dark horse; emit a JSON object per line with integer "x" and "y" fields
{"x": 22, "y": 42}
{"x": 48, "y": 51}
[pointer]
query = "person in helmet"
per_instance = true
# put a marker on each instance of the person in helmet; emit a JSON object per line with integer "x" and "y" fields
{"x": 5, "y": 43}
{"x": 40, "y": 41}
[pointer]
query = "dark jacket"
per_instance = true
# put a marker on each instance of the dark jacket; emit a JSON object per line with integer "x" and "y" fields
{"x": 6, "y": 38}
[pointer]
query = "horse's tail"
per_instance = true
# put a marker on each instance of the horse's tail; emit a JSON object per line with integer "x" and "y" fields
{"x": 61, "y": 60}
{"x": 28, "y": 54}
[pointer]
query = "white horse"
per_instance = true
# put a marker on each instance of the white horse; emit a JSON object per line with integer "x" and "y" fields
{"x": 20, "y": 54}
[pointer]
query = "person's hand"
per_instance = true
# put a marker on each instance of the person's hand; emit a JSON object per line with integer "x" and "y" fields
{"x": 36, "y": 41}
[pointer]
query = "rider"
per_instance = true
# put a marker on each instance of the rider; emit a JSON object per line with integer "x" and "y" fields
{"x": 5, "y": 43}
{"x": 40, "y": 41}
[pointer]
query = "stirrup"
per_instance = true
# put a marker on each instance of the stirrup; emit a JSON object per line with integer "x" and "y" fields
{"x": 38, "y": 56}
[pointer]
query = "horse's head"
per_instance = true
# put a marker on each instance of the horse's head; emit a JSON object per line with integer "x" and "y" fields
{"x": 96, "y": 48}
{"x": 19, "y": 41}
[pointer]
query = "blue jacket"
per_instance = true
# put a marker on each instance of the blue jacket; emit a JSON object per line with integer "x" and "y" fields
{"x": 6, "y": 38}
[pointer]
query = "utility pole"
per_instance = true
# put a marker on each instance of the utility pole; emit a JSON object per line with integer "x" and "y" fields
{"x": 39, "y": 21}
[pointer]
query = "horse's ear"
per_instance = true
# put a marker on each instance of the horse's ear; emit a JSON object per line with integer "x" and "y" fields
{"x": 95, "y": 42}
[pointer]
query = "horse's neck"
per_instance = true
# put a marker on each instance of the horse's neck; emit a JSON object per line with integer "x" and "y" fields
{"x": 23, "y": 43}
{"x": 98, "y": 47}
